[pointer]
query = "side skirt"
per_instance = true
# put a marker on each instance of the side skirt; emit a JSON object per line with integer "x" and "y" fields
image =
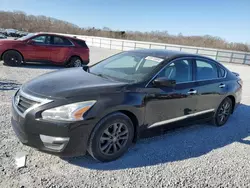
{"x": 180, "y": 118}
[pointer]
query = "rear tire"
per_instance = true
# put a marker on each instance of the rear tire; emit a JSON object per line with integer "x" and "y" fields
{"x": 223, "y": 112}
{"x": 12, "y": 58}
{"x": 111, "y": 137}
{"x": 75, "y": 62}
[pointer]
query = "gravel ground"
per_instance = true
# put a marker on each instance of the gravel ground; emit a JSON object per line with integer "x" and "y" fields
{"x": 196, "y": 156}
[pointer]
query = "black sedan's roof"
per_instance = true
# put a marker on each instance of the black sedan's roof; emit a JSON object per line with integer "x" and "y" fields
{"x": 165, "y": 54}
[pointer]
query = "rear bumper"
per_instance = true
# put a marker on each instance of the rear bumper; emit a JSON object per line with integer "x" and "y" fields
{"x": 238, "y": 97}
{"x": 57, "y": 138}
{"x": 86, "y": 62}
{"x": 236, "y": 105}
{"x": 85, "y": 59}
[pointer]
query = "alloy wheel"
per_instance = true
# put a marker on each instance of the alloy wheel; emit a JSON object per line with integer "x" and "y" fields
{"x": 224, "y": 112}
{"x": 12, "y": 58}
{"x": 114, "y": 138}
{"x": 77, "y": 63}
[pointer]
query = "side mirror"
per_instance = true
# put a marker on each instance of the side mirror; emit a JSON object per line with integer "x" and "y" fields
{"x": 164, "y": 82}
{"x": 85, "y": 68}
{"x": 30, "y": 42}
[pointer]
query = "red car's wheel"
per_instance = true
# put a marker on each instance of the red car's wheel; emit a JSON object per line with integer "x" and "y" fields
{"x": 12, "y": 58}
{"x": 75, "y": 62}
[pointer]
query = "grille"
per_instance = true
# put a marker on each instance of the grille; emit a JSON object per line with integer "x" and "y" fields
{"x": 23, "y": 103}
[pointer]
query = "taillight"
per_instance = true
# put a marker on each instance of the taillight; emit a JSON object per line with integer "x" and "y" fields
{"x": 240, "y": 82}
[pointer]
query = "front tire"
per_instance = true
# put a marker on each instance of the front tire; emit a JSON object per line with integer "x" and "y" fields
{"x": 12, "y": 58}
{"x": 223, "y": 112}
{"x": 111, "y": 137}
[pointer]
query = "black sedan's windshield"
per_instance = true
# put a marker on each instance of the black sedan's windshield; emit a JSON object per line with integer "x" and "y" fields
{"x": 127, "y": 66}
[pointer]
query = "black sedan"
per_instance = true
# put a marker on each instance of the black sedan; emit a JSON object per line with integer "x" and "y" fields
{"x": 106, "y": 107}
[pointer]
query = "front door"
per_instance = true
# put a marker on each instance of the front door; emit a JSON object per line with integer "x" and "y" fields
{"x": 39, "y": 49}
{"x": 166, "y": 105}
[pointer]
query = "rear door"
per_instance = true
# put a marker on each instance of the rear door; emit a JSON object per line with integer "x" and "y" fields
{"x": 60, "y": 48}
{"x": 212, "y": 86}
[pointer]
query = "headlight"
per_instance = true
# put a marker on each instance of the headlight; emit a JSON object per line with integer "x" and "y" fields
{"x": 69, "y": 112}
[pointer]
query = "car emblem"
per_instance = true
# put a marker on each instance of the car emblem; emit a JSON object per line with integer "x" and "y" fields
{"x": 17, "y": 100}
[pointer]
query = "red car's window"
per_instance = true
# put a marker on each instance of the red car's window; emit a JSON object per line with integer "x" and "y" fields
{"x": 61, "y": 41}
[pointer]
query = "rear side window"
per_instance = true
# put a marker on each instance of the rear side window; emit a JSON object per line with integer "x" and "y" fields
{"x": 206, "y": 70}
{"x": 61, "y": 41}
{"x": 81, "y": 43}
{"x": 222, "y": 72}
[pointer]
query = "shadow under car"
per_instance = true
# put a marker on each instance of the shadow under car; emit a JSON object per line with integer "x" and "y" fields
{"x": 180, "y": 144}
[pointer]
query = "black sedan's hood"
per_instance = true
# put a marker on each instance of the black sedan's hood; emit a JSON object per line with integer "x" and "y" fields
{"x": 69, "y": 83}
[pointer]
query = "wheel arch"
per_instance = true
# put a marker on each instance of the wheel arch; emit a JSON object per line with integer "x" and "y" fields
{"x": 1, "y": 58}
{"x": 72, "y": 56}
{"x": 233, "y": 101}
{"x": 135, "y": 122}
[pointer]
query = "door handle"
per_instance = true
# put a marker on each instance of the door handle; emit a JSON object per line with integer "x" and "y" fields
{"x": 222, "y": 85}
{"x": 192, "y": 91}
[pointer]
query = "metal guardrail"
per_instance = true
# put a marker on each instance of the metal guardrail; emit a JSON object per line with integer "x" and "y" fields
{"x": 224, "y": 56}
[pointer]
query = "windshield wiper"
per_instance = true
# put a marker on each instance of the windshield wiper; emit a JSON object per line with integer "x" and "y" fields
{"x": 103, "y": 76}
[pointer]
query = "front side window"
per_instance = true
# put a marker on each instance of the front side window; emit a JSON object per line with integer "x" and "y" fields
{"x": 178, "y": 70}
{"x": 206, "y": 70}
{"x": 127, "y": 66}
{"x": 39, "y": 39}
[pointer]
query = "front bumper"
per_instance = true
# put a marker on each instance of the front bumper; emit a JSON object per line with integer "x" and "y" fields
{"x": 1, "y": 53}
{"x": 58, "y": 138}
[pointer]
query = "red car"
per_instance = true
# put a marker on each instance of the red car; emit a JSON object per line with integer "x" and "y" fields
{"x": 44, "y": 48}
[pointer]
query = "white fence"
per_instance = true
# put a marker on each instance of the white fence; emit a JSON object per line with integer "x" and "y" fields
{"x": 224, "y": 56}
